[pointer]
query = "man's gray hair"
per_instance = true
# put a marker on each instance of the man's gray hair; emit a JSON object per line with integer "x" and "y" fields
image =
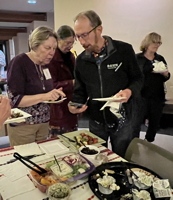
{"x": 92, "y": 16}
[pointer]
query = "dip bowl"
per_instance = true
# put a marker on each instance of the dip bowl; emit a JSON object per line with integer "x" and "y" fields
{"x": 89, "y": 152}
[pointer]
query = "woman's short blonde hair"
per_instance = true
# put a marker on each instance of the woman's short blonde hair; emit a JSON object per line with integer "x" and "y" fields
{"x": 149, "y": 39}
{"x": 39, "y": 35}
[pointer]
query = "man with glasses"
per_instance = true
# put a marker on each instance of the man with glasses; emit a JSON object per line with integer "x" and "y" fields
{"x": 106, "y": 67}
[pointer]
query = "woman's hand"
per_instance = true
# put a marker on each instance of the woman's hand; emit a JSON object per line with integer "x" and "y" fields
{"x": 165, "y": 74}
{"x": 54, "y": 95}
{"x": 5, "y": 109}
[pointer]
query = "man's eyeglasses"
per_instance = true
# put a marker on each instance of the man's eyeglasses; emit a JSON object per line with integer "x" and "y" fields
{"x": 85, "y": 35}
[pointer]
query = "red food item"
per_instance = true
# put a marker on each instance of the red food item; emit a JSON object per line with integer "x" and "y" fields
{"x": 95, "y": 140}
{"x": 90, "y": 142}
{"x": 88, "y": 138}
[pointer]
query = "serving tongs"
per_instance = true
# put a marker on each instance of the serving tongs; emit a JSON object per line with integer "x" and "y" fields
{"x": 70, "y": 140}
{"x": 77, "y": 141}
{"x": 129, "y": 170}
{"x": 22, "y": 159}
{"x": 129, "y": 173}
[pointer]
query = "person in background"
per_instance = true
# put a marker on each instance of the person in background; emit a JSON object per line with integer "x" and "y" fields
{"x": 2, "y": 63}
{"x": 62, "y": 71}
{"x": 5, "y": 110}
{"x": 30, "y": 84}
{"x": 153, "y": 94}
{"x": 2, "y": 69}
{"x": 106, "y": 67}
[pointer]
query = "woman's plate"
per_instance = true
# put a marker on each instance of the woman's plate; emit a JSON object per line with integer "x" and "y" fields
{"x": 59, "y": 101}
{"x": 160, "y": 71}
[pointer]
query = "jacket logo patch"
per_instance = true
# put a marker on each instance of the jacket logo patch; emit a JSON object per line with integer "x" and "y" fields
{"x": 114, "y": 66}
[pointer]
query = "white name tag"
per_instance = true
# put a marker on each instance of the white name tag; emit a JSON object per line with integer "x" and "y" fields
{"x": 47, "y": 73}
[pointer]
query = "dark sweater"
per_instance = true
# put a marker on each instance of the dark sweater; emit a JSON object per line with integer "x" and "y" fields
{"x": 153, "y": 82}
{"x": 23, "y": 79}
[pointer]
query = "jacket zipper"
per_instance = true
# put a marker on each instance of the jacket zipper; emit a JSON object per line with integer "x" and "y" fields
{"x": 100, "y": 77}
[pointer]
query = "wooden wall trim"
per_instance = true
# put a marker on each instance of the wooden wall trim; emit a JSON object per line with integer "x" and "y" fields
{"x": 22, "y": 17}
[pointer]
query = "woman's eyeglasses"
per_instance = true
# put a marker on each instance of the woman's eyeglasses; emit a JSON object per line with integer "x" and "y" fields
{"x": 85, "y": 35}
{"x": 157, "y": 43}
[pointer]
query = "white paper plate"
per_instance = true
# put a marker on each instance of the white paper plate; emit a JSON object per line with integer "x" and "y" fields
{"x": 18, "y": 119}
{"x": 54, "y": 147}
{"x": 161, "y": 71}
{"x": 55, "y": 101}
{"x": 109, "y": 99}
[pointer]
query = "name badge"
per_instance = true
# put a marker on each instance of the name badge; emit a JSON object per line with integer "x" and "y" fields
{"x": 47, "y": 73}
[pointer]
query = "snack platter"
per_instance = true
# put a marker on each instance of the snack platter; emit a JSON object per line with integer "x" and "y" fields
{"x": 21, "y": 117}
{"x": 79, "y": 133}
{"x": 71, "y": 167}
{"x": 121, "y": 178}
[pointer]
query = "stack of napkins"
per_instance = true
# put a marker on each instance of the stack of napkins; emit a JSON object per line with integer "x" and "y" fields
{"x": 28, "y": 149}
{"x": 54, "y": 147}
{"x": 159, "y": 67}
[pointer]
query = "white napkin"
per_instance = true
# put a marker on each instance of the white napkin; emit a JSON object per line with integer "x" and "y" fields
{"x": 159, "y": 66}
{"x": 111, "y": 104}
{"x": 10, "y": 189}
{"x": 53, "y": 147}
{"x": 114, "y": 107}
{"x": 33, "y": 194}
{"x": 28, "y": 149}
{"x": 14, "y": 171}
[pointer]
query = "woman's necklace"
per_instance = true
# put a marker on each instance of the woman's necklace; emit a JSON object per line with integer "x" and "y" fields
{"x": 40, "y": 74}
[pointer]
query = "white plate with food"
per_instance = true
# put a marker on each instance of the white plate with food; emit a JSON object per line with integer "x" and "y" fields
{"x": 113, "y": 98}
{"x": 17, "y": 116}
{"x": 160, "y": 71}
{"x": 59, "y": 101}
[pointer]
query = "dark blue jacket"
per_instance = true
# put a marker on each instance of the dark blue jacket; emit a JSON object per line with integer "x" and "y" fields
{"x": 153, "y": 82}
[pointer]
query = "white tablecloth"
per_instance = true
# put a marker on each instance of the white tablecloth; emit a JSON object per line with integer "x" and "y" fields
{"x": 79, "y": 189}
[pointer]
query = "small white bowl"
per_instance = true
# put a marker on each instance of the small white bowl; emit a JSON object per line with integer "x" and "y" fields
{"x": 104, "y": 190}
{"x": 88, "y": 156}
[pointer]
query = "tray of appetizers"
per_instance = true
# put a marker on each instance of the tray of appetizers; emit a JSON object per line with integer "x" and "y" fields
{"x": 124, "y": 180}
{"x": 84, "y": 136}
{"x": 67, "y": 168}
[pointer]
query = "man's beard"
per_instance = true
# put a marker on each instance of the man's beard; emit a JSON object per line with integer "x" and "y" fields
{"x": 92, "y": 48}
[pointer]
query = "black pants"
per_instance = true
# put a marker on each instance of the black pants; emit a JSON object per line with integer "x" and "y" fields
{"x": 119, "y": 139}
{"x": 152, "y": 111}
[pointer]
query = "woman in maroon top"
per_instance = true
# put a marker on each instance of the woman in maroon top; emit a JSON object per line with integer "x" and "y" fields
{"x": 61, "y": 68}
{"x": 30, "y": 84}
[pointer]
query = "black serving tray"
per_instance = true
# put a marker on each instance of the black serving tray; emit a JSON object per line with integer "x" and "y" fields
{"x": 121, "y": 180}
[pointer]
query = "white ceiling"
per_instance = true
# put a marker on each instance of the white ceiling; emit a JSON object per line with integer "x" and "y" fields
{"x": 23, "y": 6}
